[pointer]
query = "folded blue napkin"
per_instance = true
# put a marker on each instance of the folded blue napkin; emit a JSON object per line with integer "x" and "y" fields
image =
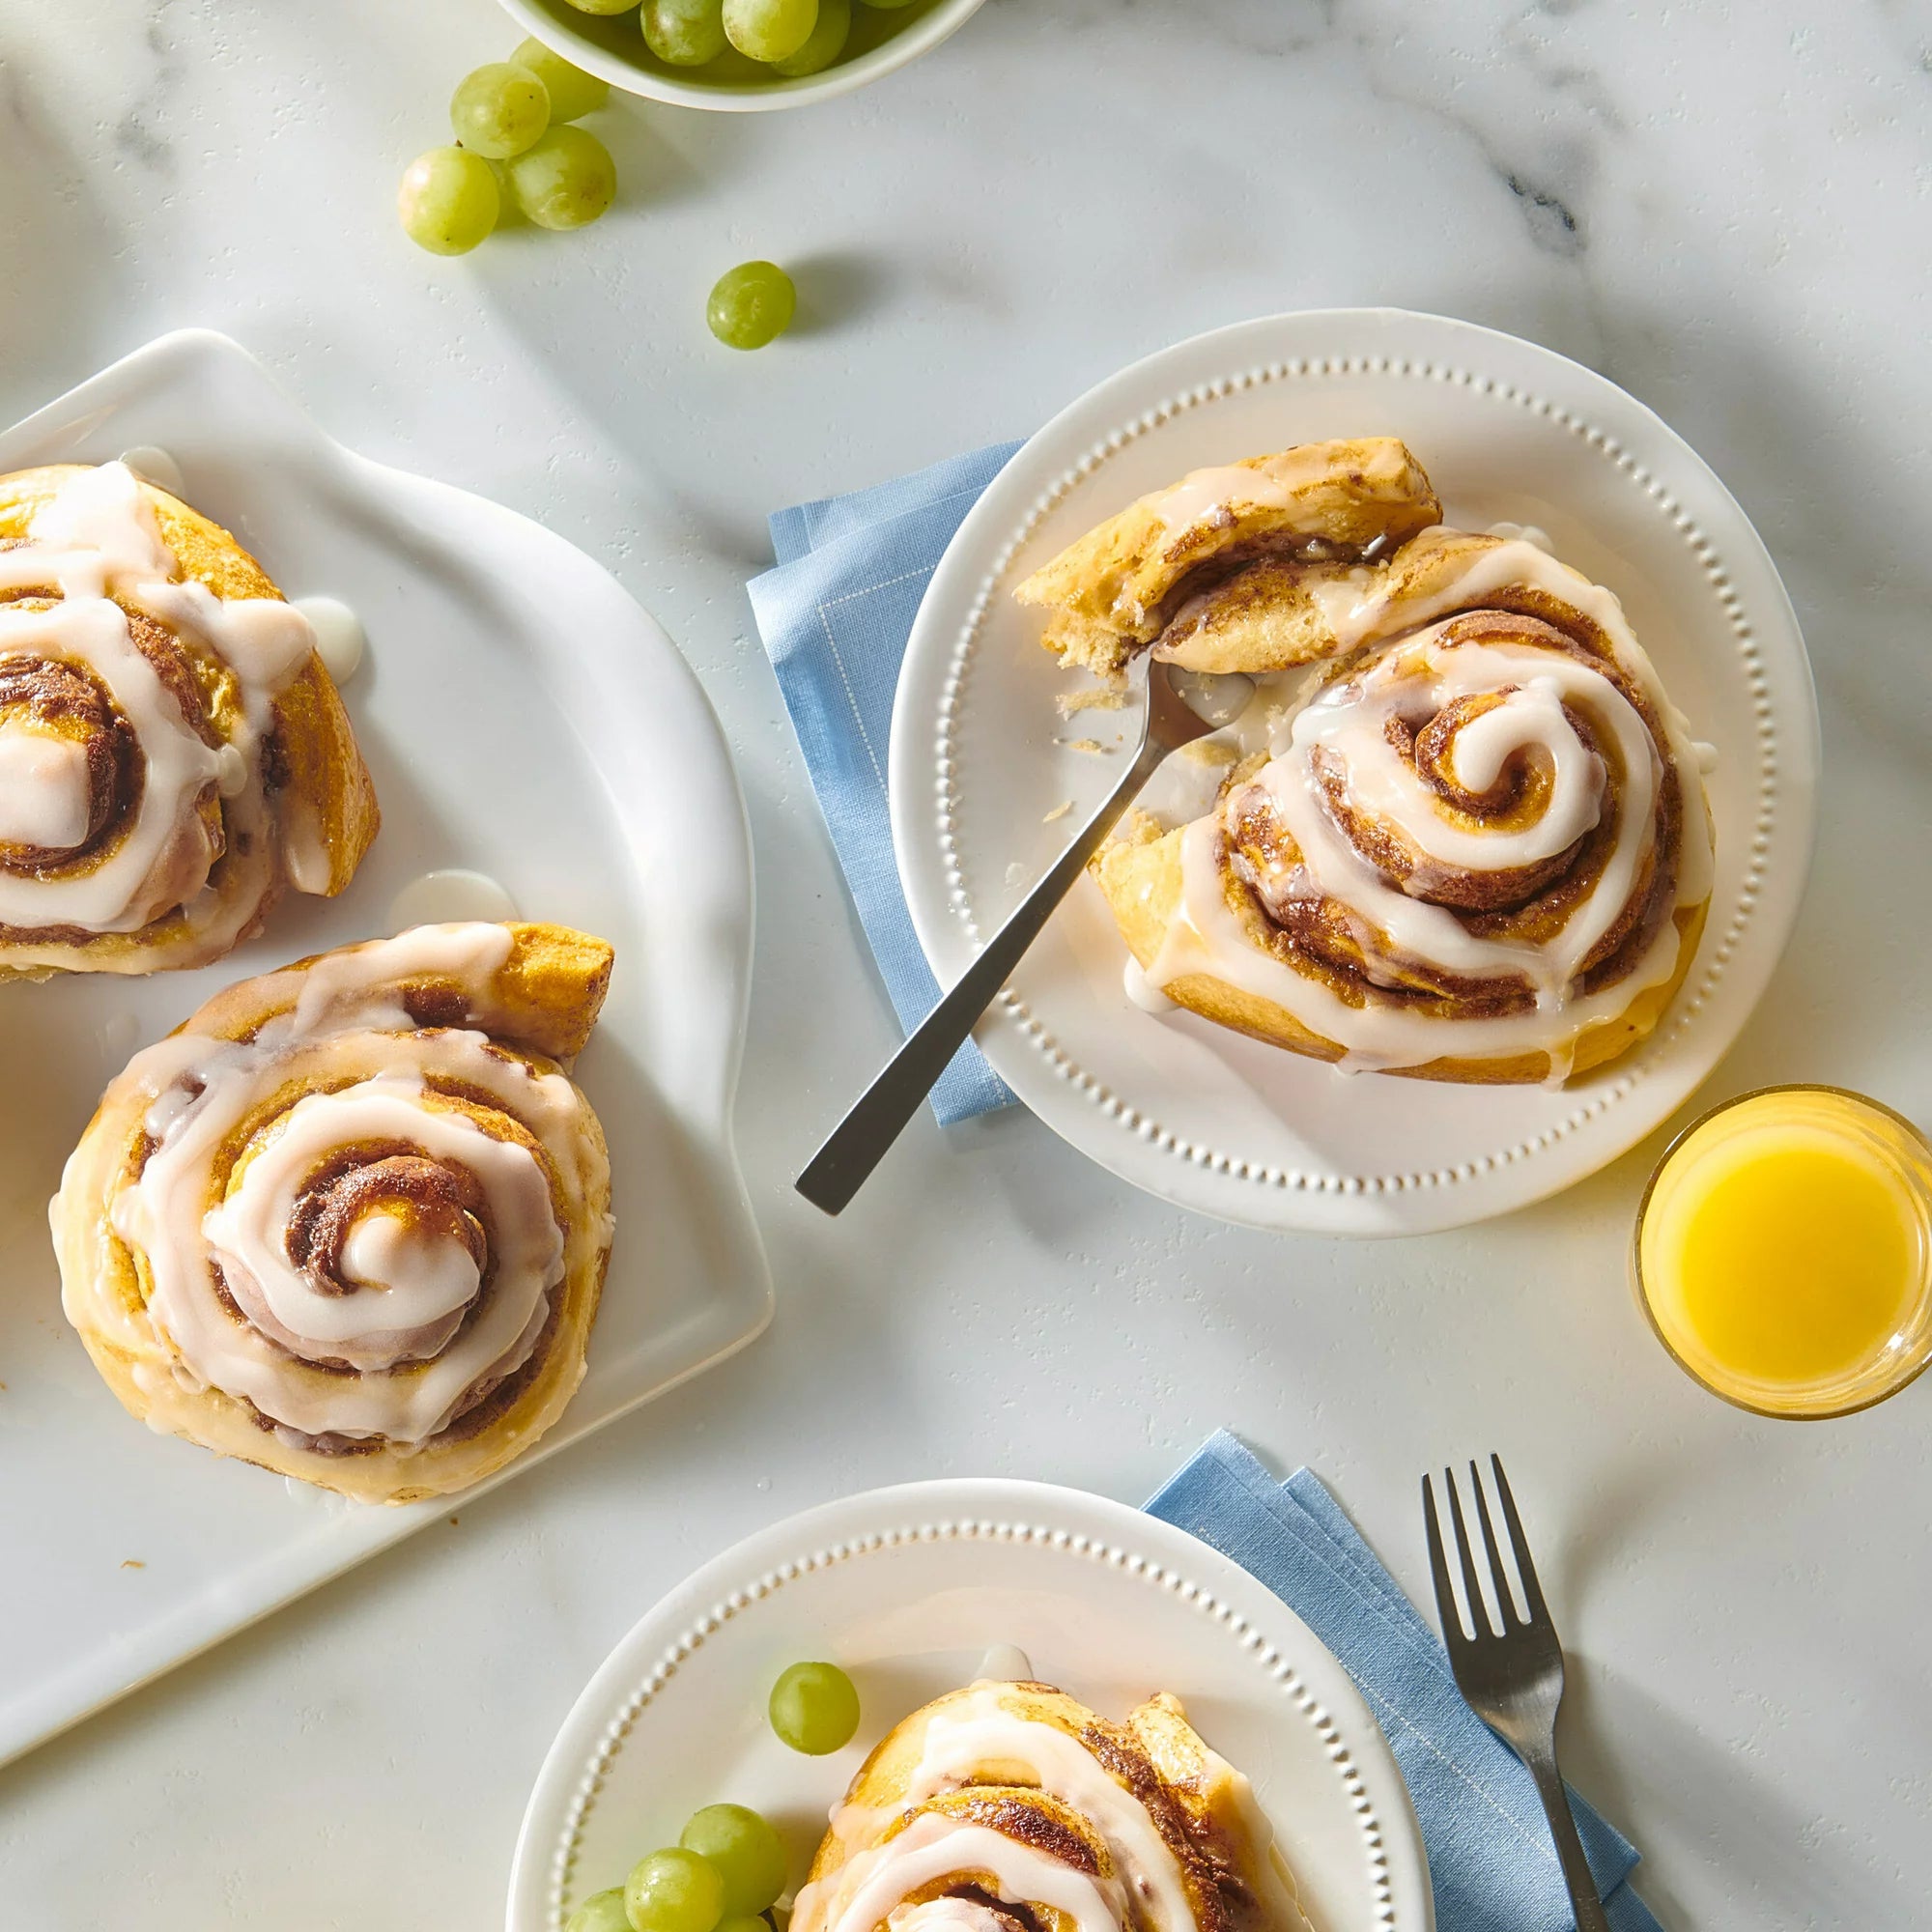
{"x": 835, "y": 616}
{"x": 1490, "y": 1860}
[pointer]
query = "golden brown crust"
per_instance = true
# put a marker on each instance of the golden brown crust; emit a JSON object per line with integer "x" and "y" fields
{"x": 1114, "y": 590}
{"x": 1334, "y": 556}
{"x": 1140, "y": 874}
{"x": 538, "y": 1006}
{"x": 1201, "y": 1811}
{"x": 320, "y": 788}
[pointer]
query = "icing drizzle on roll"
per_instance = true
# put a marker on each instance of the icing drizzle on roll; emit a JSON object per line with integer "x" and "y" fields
{"x": 1484, "y": 818}
{"x": 134, "y": 704}
{"x": 1087, "y": 1848}
{"x": 368, "y": 1260}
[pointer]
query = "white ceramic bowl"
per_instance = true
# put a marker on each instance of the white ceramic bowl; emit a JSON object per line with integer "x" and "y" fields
{"x": 613, "y": 47}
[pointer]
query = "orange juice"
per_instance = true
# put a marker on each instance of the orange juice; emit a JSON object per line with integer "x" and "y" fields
{"x": 1784, "y": 1251}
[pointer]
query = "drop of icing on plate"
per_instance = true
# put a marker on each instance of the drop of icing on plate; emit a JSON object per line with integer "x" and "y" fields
{"x": 154, "y": 465}
{"x": 1143, "y": 991}
{"x": 339, "y": 639}
{"x": 1529, "y": 533}
{"x": 437, "y": 898}
{"x": 1005, "y": 1663}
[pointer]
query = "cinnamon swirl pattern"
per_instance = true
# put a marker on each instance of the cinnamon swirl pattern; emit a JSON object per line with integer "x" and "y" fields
{"x": 172, "y": 753}
{"x": 1475, "y": 844}
{"x": 350, "y": 1221}
{"x": 1012, "y": 1808}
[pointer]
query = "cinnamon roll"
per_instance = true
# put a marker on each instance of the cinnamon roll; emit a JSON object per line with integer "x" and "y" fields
{"x": 1472, "y": 843}
{"x": 172, "y": 753}
{"x": 351, "y": 1220}
{"x": 1013, "y": 1807}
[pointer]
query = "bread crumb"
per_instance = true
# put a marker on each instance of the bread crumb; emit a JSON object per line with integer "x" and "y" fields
{"x": 1101, "y": 698}
{"x": 1210, "y": 751}
{"x": 1060, "y": 810}
{"x": 132, "y": 1563}
{"x": 1083, "y": 745}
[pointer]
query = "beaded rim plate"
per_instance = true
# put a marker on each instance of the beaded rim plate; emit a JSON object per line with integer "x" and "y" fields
{"x": 985, "y": 777}
{"x": 908, "y": 1588}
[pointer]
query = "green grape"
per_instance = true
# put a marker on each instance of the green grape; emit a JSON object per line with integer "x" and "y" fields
{"x": 744, "y": 1851}
{"x": 603, "y": 6}
{"x": 749, "y": 1922}
{"x": 601, "y": 1911}
{"x": 498, "y": 111}
{"x": 749, "y": 306}
{"x": 573, "y": 92}
{"x": 673, "y": 1890}
{"x": 448, "y": 201}
{"x": 824, "y": 44}
{"x": 815, "y": 1708}
{"x": 566, "y": 181}
{"x": 770, "y": 30}
{"x": 684, "y": 32}
{"x": 885, "y": 5}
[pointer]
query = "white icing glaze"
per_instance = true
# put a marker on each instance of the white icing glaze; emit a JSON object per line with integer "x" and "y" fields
{"x": 44, "y": 788}
{"x": 873, "y": 1883}
{"x": 97, "y": 540}
{"x": 340, "y": 640}
{"x": 946, "y": 1913}
{"x": 452, "y": 894}
{"x": 1347, "y": 720}
{"x": 1211, "y": 495}
{"x": 1529, "y": 533}
{"x": 1141, "y": 991}
{"x": 1215, "y": 698}
{"x": 1005, "y": 1663}
{"x": 405, "y": 1309}
{"x": 157, "y": 465}
{"x": 979, "y": 1731}
{"x": 1342, "y": 724}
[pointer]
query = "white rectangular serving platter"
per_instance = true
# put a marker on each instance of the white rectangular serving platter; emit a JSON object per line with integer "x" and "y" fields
{"x": 522, "y": 718}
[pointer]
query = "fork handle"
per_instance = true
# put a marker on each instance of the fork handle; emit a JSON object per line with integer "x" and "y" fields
{"x": 1584, "y": 1902}
{"x": 859, "y": 1142}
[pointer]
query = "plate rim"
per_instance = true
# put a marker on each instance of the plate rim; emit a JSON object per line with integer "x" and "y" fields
{"x": 750, "y": 1571}
{"x": 1078, "y": 1104}
{"x": 170, "y": 360}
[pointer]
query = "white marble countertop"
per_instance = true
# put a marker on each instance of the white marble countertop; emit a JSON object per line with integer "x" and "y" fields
{"x": 1724, "y": 209}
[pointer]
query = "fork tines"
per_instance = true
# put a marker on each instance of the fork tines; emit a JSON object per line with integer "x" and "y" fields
{"x": 1480, "y": 1624}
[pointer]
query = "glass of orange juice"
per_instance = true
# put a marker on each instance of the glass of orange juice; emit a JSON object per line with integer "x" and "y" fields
{"x": 1783, "y": 1251}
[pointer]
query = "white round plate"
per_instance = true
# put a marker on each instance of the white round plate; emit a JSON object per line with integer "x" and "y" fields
{"x": 522, "y": 718}
{"x": 907, "y": 1589}
{"x": 1188, "y": 1110}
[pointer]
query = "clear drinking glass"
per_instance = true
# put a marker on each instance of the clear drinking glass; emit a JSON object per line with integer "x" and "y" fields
{"x": 1764, "y": 1243}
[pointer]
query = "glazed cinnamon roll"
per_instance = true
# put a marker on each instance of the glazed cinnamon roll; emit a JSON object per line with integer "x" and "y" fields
{"x": 350, "y": 1221}
{"x": 1013, "y": 1807}
{"x": 1474, "y": 844}
{"x": 172, "y": 753}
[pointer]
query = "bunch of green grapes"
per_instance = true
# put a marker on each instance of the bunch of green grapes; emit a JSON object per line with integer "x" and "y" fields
{"x": 793, "y": 37}
{"x": 729, "y": 1866}
{"x": 515, "y": 145}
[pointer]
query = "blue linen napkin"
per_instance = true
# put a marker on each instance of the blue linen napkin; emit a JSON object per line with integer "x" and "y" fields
{"x": 1490, "y": 1860}
{"x": 835, "y": 616}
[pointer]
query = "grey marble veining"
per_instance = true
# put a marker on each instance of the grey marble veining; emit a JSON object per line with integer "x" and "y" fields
{"x": 1725, "y": 208}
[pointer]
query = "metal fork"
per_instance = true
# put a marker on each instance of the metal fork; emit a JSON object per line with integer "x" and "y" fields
{"x": 1513, "y": 1677}
{"x": 858, "y": 1142}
